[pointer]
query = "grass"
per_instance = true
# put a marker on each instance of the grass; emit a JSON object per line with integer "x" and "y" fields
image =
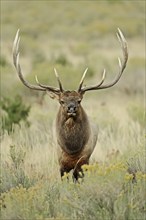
{"x": 70, "y": 36}
{"x": 31, "y": 185}
{"x": 90, "y": 41}
{"x": 79, "y": 201}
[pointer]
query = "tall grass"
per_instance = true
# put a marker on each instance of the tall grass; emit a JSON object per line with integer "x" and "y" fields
{"x": 73, "y": 35}
{"x": 114, "y": 183}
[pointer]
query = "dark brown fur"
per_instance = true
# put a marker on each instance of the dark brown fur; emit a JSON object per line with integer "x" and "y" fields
{"x": 73, "y": 135}
{"x": 73, "y": 132}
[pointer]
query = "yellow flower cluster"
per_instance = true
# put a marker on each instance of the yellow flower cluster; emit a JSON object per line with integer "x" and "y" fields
{"x": 128, "y": 176}
{"x": 98, "y": 169}
{"x": 20, "y": 195}
{"x": 103, "y": 169}
{"x": 66, "y": 176}
{"x": 138, "y": 176}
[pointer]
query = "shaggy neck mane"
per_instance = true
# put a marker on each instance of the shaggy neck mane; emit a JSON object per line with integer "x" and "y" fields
{"x": 73, "y": 132}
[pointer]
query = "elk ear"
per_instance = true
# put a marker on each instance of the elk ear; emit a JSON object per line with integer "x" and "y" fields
{"x": 53, "y": 95}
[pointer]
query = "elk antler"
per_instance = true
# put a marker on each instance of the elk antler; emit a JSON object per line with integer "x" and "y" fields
{"x": 18, "y": 69}
{"x": 122, "y": 66}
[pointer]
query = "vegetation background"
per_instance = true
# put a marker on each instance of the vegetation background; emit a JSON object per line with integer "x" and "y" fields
{"x": 70, "y": 36}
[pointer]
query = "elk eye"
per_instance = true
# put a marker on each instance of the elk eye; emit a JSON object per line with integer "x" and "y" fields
{"x": 79, "y": 101}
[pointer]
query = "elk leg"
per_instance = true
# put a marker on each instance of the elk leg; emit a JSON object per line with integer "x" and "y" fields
{"x": 77, "y": 173}
{"x": 63, "y": 171}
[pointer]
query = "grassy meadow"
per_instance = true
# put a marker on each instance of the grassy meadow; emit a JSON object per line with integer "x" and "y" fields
{"x": 70, "y": 36}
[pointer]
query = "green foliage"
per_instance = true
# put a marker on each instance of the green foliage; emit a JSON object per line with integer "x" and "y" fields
{"x": 90, "y": 72}
{"x": 30, "y": 183}
{"x": 15, "y": 110}
{"x": 15, "y": 170}
{"x": 3, "y": 61}
{"x": 38, "y": 58}
{"x": 31, "y": 186}
{"x": 17, "y": 155}
{"x": 136, "y": 163}
{"x": 61, "y": 59}
{"x": 107, "y": 192}
{"x": 88, "y": 38}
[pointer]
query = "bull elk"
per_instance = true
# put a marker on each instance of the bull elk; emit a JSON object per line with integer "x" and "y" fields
{"x": 76, "y": 135}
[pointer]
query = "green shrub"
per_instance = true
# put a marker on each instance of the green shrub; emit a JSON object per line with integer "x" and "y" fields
{"x": 61, "y": 59}
{"x": 13, "y": 171}
{"x": 107, "y": 192}
{"x": 15, "y": 112}
{"x": 3, "y": 61}
{"x": 38, "y": 58}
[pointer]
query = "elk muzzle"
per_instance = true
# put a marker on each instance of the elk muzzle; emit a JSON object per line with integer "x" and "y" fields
{"x": 71, "y": 109}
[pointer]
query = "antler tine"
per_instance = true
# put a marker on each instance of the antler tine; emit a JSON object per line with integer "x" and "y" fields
{"x": 122, "y": 65}
{"x": 95, "y": 87}
{"x": 15, "y": 47}
{"x": 82, "y": 80}
{"x": 39, "y": 87}
{"x": 124, "y": 47}
{"x": 17, "y": 65}
{"x": 59, "y": 82}
{"x": 48, "y": 88}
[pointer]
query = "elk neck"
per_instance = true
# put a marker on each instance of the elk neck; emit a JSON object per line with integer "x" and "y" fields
{"x": 72, "y": 132}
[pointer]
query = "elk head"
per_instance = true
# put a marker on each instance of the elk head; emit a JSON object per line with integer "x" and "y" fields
{"x": 74, "y": 132}
{"x": 70, "y": 103}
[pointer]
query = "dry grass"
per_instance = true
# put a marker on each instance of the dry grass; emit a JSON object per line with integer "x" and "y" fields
{"x": 57, "y": 33}
{"x": 30, "y": 174}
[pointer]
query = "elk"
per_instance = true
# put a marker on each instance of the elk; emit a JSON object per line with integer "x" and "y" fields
{"x": 76, "y": 136}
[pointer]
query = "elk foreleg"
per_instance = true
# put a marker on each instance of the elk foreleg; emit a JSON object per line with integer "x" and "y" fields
{"x": 78, "y": 171}
{"x": 64, "y": 170}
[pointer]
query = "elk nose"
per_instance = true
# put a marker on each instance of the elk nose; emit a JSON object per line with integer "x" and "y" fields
{"x": 71, "y": 108}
